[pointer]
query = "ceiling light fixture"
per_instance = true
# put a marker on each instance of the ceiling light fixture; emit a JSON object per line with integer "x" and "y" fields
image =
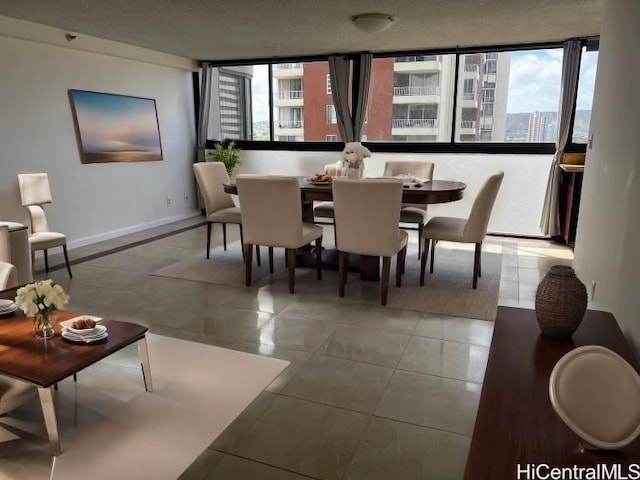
{"x": 372, "y": 22}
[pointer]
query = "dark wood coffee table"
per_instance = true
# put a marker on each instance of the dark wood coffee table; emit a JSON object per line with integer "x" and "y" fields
{"x": 516, "y": 423}
{"x": 44, "y": 363}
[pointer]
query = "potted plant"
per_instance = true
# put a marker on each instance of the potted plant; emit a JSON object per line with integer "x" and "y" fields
{"x": 227, "y": 154}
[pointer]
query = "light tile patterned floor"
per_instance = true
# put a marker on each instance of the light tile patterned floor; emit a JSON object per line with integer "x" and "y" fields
{"x": 370, "y": 393}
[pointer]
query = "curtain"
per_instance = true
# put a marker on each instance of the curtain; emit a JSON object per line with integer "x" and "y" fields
{"x": 550, "y": 220}
{"x": 360, "y": 95}
{"x": 339, "y": 72}
{"x": 203, "y": 112}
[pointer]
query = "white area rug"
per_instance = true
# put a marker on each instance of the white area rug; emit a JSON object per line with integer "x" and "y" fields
{"x": 111, "y": 428}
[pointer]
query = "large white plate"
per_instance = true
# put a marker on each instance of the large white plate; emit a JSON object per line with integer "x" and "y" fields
{"x": 68, "y": 324}
{"x": 6, "y": 303}
{"x": 72, "y": 337}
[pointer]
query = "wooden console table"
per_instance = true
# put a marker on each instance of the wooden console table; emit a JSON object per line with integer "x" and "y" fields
{"x": 516, "y": 423}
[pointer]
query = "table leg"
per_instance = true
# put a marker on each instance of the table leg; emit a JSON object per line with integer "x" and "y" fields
{"x": 143, "y": 353}
{"x": 49, "y": 412}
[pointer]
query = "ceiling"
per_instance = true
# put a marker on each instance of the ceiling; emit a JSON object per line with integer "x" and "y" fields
{"x": 246, "y": 29}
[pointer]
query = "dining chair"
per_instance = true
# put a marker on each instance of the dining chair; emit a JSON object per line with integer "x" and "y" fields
{"x": 272, "y": 216}
{"x": 464, "y": 230}
{"x": 367, "y": 217}
{"x": 411, "y": 212}
{"x": 8, "y": 272}
{"x": 219, "y": 206}
{"x": 325, "y": 209}
{"x": 34, "y": 193}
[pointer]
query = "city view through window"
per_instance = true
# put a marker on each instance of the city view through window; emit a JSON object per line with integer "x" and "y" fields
{"x": 501, "y": 97}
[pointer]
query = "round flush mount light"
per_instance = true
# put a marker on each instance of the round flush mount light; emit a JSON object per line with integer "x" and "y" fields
{"x": 372, "y": 22}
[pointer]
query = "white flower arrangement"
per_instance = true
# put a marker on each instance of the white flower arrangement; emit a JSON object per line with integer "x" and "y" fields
{"x": 354, "y": 154}
{"x": 41, "y": 297}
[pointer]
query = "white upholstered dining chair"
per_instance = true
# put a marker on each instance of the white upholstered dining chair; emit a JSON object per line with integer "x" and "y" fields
{"x": 464, "y": 230}
{"x": 367, "y": 216}
{"x": 8, "y": 272}
{"x": 411, "y": 212}
{"x": 272, "y": 216}
{"x": 325, "y": 209}
{"x": 34, "y": 193}
{"x": 219, "y": 205}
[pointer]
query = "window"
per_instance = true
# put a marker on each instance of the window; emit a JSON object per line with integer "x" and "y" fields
{"x": 586, "y": 82}
{"x": 331, "y": 138}
{"x": 231, "y": 104}
{"x": 519, "y": 98}
{"x": 331, "y": 114}
{"x": 328, "y": 84}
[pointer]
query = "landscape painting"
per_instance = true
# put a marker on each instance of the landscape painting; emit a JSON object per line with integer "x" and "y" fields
{"x": 115, "y": 128}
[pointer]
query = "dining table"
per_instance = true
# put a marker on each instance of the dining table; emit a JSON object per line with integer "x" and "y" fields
{"x": 419, "y": 193}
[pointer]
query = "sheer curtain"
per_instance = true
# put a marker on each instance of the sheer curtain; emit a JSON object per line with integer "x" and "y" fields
{"x": 350, "y": 120}
{"x": 550, "y": 220}
{"x": 203, "y": 112}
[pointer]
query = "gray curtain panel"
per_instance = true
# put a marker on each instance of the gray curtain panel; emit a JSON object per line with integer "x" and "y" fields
{"x": 362, "y": 76}
{"x": 550, "y": 220}
{"x": 339, "y": 72}
{"x": 203, "y": 112}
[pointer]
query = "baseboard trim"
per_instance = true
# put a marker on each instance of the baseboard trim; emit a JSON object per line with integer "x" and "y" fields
{"x": 82, "y": 242}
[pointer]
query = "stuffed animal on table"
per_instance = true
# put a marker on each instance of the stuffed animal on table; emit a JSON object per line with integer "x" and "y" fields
{"x": 353, "y": 157}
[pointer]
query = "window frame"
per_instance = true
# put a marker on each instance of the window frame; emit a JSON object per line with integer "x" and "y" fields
{"x": 451, "y": 146}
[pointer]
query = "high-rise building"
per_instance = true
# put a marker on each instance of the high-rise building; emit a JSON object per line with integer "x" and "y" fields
{"x": 410, "y": 99}
{"x": 230, "y": 108}
{"x": 537, "y": 127}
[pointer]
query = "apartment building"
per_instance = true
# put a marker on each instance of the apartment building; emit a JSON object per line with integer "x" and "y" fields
{"x": 410, "y": 99}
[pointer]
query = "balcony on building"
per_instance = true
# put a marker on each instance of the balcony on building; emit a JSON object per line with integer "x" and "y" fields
{"x": 418, "y": 63}
{"x": 289, "y": 98}
{"x": 468, "y": 127}
{"x": 417, "y": 94}
{"x": 288, "y": 70}
{"x": 471, "y": 71}
{"x": 290, "y": 128}
{"x": 470, "y": 100}
{"x": 414, "y": 126}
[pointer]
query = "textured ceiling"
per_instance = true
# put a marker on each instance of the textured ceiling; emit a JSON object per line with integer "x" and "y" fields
{"x": 236, "y": 29}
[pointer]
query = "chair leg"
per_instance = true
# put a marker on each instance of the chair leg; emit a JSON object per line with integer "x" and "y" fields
{"x": 46, "y": 261}
{"x": 248, "y": 253}
{"x": 433, "y": 254}
{"x": 319, "y": 258}
{"x": 476, "y": 264}
{"x": 224, "y": 236}
{"x": 420, "y": 227}
{"x": 271, "y": 260}
{"x": 423, "y": 260}
{"x": 66, "y": 259}
{"x": 258, "y": 255}
{"x": 335, "y": 235}
{"x": 384, "y": 281}
{"x": 343, "y": 261}
{"x": 208, "y": 238}
{"x": 400, "y": 258}
{"x": 241, "y": 242}
{"x": 291, "y": 260}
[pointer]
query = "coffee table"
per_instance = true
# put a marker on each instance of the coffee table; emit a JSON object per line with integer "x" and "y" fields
{"x": 44, "y": 363}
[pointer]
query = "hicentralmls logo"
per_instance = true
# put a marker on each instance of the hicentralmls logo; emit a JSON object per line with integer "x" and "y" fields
{"x": 542, "y": 471}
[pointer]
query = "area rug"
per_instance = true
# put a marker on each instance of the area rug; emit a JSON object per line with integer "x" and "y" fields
{"x": 447, "y": 291}
{"x": 111, "y": 428}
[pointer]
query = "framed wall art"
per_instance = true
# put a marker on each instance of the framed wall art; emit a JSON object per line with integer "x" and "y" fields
{"x": 115, "y": 128}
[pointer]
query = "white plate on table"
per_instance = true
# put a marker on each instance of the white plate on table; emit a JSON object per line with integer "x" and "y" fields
{"x": 7, "y": 307}
{"x": 73, "y": 337}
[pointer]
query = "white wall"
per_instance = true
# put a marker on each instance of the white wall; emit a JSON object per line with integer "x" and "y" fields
{"x": 518, "y": 206}
{"x": 608, "y": 237}
{"x": 95, "y": 201}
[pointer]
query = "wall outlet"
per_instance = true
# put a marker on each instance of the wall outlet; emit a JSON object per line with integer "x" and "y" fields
{"x": 168, "y": 201}
{"x": 593, "y": 290}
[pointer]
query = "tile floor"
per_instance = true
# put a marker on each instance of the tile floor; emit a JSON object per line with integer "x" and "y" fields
{"x": 371, "y": 393}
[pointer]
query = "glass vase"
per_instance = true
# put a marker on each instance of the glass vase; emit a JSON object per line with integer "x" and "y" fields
{"x": 43, "y": 323}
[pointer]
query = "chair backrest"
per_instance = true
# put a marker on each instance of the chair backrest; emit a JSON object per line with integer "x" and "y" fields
{"x": 367, "y": 212}
{"x": 5, "y": 253}
{"x": 422, "y": 170}
{"x": 333, "y": 169}
{"x": 34, "y": 188}
{"x": 271, "y": 210}
{"x": 476, "y": 228}
{"x": 210, "y": 176}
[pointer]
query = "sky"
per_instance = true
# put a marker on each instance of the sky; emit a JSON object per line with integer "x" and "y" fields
{"x": 534, "y": 83}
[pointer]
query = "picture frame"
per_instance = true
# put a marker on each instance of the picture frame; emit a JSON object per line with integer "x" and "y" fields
{"x": 115, "y": 128}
